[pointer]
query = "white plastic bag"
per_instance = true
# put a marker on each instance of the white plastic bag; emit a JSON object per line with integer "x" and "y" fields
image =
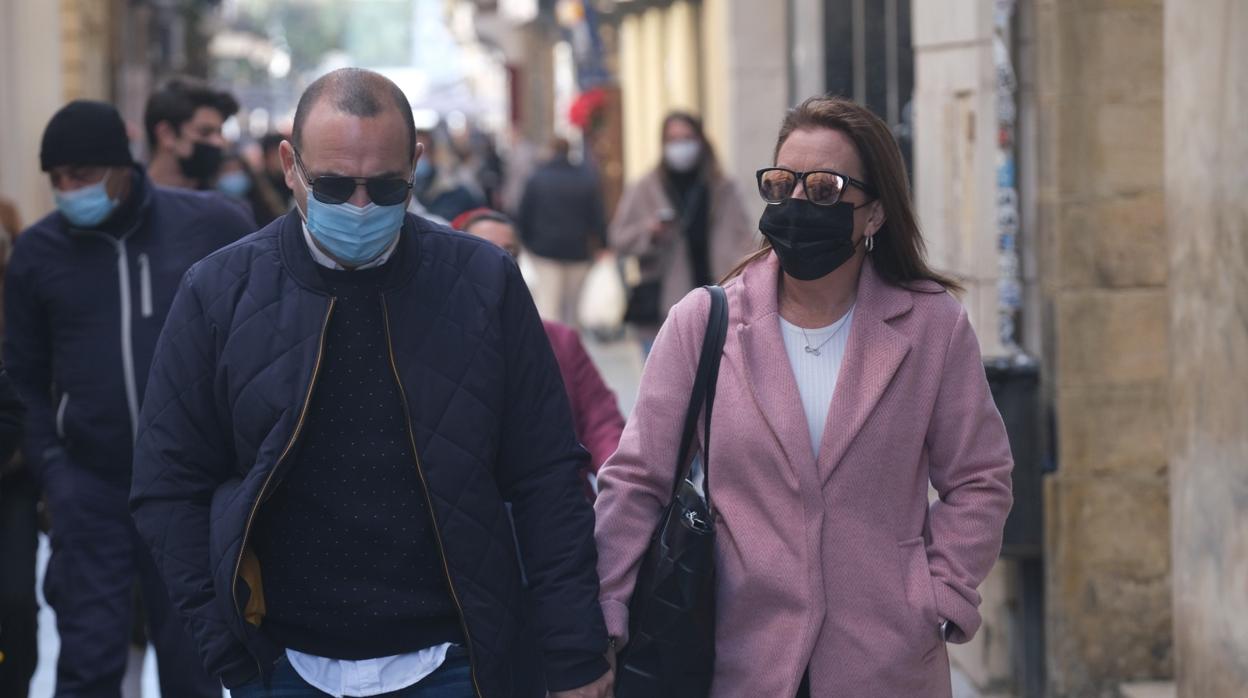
{"x": 603, "y": 299}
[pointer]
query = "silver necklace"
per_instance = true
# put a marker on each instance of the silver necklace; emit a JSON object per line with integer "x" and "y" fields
{"x": 815, "y": 350}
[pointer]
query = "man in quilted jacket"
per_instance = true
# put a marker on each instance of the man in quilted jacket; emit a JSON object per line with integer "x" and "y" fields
{"x": 86, "y": 292}
{"x": 341, "y": 408}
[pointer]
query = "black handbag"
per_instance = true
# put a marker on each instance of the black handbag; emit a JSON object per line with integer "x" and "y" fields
{"x": 643, "y": 304}
{"x": 671, "y": 647}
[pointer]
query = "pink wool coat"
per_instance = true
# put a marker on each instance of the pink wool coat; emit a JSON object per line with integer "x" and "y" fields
{"x": 833, "y": 560}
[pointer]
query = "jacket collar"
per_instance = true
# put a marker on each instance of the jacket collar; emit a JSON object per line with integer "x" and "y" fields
{"x": 297, "y": 258}
{"x": 873, "y": 353}
{"x": 129, "y": 216}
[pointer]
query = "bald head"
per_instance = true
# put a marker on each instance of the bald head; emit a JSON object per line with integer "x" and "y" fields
{"x": 356, "y": 92}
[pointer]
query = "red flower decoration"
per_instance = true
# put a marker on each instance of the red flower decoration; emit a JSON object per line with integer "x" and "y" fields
{"x": 586, "y": 107}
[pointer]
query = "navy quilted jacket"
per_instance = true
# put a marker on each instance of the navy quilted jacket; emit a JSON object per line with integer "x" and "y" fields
{"x": 490, "y": 423}
{"x": 84, "y": 309}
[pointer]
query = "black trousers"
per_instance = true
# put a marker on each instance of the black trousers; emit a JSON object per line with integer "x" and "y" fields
{"x": 97, "y": 557}
{"x": 19, "y": 606}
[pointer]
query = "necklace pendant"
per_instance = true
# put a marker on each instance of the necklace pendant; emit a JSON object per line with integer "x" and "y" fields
{"x": 812, "y": 350}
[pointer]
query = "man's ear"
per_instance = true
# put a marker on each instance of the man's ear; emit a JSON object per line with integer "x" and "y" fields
{"x": 420, "y": 152}
{"x": 166, "y": 135}
{"x": 286, "y": 153}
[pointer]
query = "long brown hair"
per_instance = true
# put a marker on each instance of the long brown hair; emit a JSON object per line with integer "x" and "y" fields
{"x": 900, "y": 256}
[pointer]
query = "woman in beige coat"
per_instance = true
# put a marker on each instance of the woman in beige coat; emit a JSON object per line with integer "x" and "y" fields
{"x": 685, "y": 222}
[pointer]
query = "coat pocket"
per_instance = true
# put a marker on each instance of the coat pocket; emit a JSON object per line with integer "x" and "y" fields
{"x": 920, "y": 594}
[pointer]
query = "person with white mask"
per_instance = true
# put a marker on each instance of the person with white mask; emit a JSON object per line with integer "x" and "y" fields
{"x": 340, "y": 411}
{"x": 684, "y": 222}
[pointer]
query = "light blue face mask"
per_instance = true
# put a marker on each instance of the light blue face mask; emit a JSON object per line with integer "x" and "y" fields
{"x": 354, "y": 235}
{"x": 86, "y": 207}
{"x": 234, "y": 183}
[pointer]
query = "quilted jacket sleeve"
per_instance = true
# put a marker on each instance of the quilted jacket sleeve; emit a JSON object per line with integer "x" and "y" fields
{"x": 180, "y": 459}
{"x": 537, "y": 473}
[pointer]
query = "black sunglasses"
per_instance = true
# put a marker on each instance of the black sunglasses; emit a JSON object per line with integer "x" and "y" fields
{"x": 823, "y": 187}
{"x": 335, "y": 189}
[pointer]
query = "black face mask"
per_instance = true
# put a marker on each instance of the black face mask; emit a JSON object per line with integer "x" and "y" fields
{"x": 810, "y": 240}
{"x": 203, "y": 164}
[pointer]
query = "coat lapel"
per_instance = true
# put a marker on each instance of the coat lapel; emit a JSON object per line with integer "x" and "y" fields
{"x": 766, "y": 364}
{"x": 873, "y": 353}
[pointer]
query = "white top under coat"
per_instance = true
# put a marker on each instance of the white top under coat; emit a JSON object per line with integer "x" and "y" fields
{"x": 816, "y": 371}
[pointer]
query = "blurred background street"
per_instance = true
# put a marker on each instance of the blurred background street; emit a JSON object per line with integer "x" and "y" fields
{"x": 1078, "y": 165}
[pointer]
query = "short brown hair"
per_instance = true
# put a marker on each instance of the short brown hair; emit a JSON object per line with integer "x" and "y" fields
{"x": 900, "y": 255}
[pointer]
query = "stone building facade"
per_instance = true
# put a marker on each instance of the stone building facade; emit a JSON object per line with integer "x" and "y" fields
{"x": 1130, "y": 177}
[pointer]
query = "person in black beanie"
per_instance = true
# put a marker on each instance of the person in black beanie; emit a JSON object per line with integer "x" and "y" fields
{"x": 86, "y": 294}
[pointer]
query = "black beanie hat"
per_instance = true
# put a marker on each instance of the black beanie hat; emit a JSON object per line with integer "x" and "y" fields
{"x": 85, "y": 133}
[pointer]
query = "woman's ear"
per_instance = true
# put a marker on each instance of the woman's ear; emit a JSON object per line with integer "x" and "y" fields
{"x": 875, "y": 218}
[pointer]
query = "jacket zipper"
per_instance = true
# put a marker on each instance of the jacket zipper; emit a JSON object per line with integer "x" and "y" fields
{"x": 437, "y": 532}
{"x": 145, "y": 286}
{"x": 60, "y": 415}
{"x": 127, "y": 341}
{"x": 294, "y": 436}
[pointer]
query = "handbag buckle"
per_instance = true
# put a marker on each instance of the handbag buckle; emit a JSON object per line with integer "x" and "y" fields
{"x": 694, "y": 521}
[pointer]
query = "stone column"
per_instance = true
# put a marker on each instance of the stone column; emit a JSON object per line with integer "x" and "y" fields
{"x": 1103, "y": 276}
{"x": 1206, "y": 149}
{"x": 955, "y": 105}
{"x": 745, "y": 65}
{"x": 537, "y": 112}
{"x": 30, "y": 92}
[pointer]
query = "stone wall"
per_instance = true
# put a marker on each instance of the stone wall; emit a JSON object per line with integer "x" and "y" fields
{"x": 1105, "y": 308}
{"x": 955, "y": 150}
{"x": 1207, "y": 217}
{"x": 30, "y": 92}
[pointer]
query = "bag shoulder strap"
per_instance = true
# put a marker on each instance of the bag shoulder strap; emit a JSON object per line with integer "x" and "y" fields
{"x": 703, "y": 394}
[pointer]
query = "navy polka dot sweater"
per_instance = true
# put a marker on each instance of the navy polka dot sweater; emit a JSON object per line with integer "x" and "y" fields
{"x": 350, "y": 565}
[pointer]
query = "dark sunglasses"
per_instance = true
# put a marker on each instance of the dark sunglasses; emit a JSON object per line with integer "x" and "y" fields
{"x": 823, "y": 187}
{"x": 334, "y": 189}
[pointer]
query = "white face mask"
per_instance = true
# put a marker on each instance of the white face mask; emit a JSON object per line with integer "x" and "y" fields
{"x": 682, "y": 155}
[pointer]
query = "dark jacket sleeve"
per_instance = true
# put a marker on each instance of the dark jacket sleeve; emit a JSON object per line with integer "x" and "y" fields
{"x": 180, "y": 458}
{"x": 11, "y": 413}
{"x": 538, "y": 473}
{"x": 28, "y": 356}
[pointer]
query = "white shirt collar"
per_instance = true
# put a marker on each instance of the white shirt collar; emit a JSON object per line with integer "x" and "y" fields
{"x": 329, "y": 263}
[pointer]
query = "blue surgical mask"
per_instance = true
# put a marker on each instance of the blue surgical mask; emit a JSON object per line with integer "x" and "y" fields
{"x": 234, "y": 183}
{"x": 86, "y": 207}
{"x": 354, "y": 235}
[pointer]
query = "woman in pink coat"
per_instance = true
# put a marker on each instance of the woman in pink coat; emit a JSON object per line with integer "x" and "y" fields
{"x": 850, "y": 380}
